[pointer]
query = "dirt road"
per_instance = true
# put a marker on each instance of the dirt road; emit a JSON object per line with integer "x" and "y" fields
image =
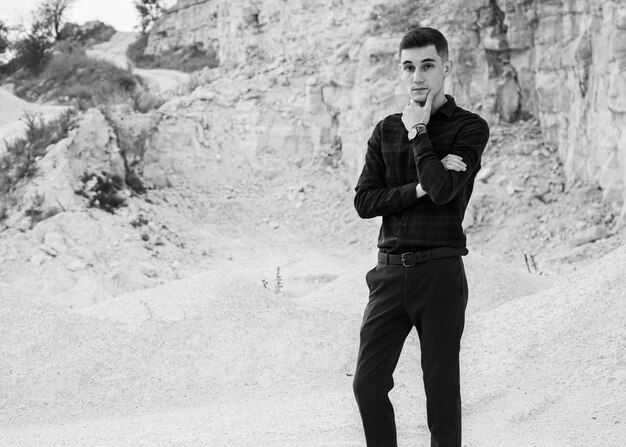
{"x": 114, "y": 51}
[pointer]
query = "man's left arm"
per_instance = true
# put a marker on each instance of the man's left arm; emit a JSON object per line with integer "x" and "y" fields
{"x": 441, "y": 184}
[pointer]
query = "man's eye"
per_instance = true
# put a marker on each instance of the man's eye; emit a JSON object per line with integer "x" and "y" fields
{"x": 427, "y": 66}
{"x": 409, "y": 68}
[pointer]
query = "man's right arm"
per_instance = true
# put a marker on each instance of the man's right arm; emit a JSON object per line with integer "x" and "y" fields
{"x": 373, "y": 197}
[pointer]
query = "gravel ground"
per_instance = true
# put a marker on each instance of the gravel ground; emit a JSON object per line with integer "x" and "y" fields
{"x": 217, "y": 359}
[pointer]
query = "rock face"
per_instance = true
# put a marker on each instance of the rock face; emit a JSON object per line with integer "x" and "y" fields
{"x": 69, "y": 173}
{"x": 562, "y": 61}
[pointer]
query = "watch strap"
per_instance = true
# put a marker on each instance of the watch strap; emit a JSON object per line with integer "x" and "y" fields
{"x": 416, "y": 130}
{"x": 421, "y": 128}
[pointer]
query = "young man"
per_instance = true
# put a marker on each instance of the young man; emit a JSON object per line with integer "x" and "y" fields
{"x": 419, "y": 172}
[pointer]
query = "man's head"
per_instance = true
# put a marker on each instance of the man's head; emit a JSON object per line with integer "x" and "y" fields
{"x": 424, "y": 64}
{"x": 423, "y": 37}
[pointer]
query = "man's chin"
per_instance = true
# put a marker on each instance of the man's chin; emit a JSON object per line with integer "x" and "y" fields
{"x": 419, "y": 98}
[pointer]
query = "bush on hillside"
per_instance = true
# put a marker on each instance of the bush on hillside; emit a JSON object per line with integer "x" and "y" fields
{"x": 21, "y": 154}
{"x": 103, "y": 191}
{"x": 33, "y": 51}
{"x": 188, "y": 59}
{"x": 90, "y": 33}
{"x": 143, "y": 100}
{"x": 4, "y": 37}
{"x": 135, "y": 50}
{"x": 77, "y": 79}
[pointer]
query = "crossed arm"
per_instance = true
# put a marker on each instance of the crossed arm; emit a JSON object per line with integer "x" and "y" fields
{"x": 450, "y": 162}
{"x": 443, "y": 184}
{"x": 441, "y": 179}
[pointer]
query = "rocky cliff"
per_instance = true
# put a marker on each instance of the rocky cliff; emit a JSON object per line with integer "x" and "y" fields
{"x": 561, "y": 61}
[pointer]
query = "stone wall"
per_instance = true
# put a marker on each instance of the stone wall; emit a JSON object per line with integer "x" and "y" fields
{"x": 562, "y": 61}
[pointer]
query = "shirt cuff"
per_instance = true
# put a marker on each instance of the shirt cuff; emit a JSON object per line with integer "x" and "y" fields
{"x": 409, "y": 194}
{"x": 421, "y": 143}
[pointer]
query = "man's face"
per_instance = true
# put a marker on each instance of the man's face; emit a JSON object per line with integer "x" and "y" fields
{"x": 421, "y": 70}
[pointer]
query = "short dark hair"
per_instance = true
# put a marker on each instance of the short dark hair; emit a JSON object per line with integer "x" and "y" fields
{"x": 424, "y": 36}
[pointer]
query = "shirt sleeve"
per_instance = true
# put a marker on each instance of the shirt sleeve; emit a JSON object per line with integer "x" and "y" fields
{"x": 443, "y": 185}
{"x": 373, "y": 197}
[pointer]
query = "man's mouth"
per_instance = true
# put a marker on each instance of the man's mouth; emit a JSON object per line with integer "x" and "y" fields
{"x": 419, "y": 89}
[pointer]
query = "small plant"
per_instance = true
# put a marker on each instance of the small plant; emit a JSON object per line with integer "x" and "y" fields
{"x": 531, "y": 265}
{"x": 139, "y": 221}
{"x": 278, "y": 286}
{"x": 143, "y": 100}
{"x": 278, "y": 282}
{"x": 35, "y": 212}
{"x": 148, "y": 308}
{"x": 104, "y": 191}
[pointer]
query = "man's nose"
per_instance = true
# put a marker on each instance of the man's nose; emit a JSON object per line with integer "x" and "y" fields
{"x": 417, "y": 77}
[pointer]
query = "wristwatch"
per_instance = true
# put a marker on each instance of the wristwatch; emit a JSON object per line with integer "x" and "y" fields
{"x": 416, "y": 130}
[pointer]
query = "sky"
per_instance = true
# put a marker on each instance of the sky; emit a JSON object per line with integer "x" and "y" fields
{"x": 120, "y": 14}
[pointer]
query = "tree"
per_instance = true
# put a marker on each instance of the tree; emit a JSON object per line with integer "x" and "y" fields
{"x": 149, "y": 11}
{"x": 53, "y": 14}
{"x": 4, "y": 37}
{"x": 33, "y": 50}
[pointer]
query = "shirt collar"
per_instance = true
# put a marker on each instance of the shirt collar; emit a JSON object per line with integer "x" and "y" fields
{"x": 448, "y": 107}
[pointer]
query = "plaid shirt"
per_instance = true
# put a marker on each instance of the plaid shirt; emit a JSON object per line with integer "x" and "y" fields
{"x": 394, "y": 166}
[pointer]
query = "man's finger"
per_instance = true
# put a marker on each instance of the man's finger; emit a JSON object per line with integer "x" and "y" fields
{"x": 453, "y": 157}
{"x": 454, "y": 165}
{"x": 429, "y": 98}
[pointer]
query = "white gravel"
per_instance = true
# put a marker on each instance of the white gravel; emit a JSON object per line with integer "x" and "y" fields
{"x": 218, "y": 360}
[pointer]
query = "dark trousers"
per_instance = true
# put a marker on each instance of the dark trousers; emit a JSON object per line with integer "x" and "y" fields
{"x": 431, "y": 296}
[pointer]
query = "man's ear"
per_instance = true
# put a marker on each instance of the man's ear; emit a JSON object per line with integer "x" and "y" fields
{"x": 447, "y": 68}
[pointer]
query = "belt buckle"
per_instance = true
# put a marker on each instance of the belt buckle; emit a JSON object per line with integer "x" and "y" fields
{"x": 409, "y": 259}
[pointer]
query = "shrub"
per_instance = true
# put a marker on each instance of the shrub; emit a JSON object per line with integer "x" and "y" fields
{"x": 104, "y": 191}
{"x": 21, "y": 154}
{"x": 149, "y": 11}
{"x": 34, "y": 211}
{"x": 80, "y": 80}
{"x": 88, "y": 34}
{"x": 143, "y": 100}
{"x": 33, "y": 51}
{"x": 188, "y": 58}
{"x": 135, "y": 50}
{"x": 4, "y": 37}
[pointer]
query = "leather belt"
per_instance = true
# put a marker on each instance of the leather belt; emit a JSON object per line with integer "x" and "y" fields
{"x": 411, "y": 258}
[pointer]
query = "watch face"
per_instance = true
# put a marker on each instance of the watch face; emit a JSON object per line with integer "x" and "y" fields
{"x": 412, "y": 133}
